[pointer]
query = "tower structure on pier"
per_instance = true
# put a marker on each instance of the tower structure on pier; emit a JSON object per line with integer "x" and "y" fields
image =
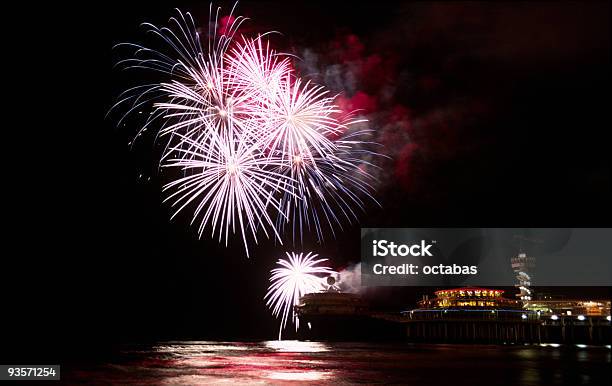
{"x": 524, "y": 270}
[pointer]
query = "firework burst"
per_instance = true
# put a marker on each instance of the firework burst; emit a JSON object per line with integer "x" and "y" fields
{"x": 255, "y": 147}
{"x": 227, "y": 184}
{"x": 297, "y": 276}
{"x": 324, "y": 191}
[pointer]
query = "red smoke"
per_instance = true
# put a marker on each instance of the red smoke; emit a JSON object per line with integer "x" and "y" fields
{"x": 224, "y": 24}
{"x": 362, "y": 102}
{"x": 422, "y": 138}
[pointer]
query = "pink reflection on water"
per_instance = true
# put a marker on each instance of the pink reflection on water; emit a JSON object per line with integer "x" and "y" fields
{"x": 301, "y": 376}
{"x": 296, "y": 346}
{"x": 207, "y": 362}
{"x": 292, "y": 362}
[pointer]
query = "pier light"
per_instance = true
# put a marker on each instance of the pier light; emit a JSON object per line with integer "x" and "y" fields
{"x": 581, "y": 317}
{"x": 523, "y": 316}
{"x": 554, "y": 317}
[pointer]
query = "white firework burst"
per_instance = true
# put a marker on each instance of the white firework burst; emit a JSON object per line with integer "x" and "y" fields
{"x": 256, "y": 147}
{"x": 297, "y": 276}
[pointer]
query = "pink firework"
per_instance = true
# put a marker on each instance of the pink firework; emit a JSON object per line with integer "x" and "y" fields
{"x": 256, "y": 147}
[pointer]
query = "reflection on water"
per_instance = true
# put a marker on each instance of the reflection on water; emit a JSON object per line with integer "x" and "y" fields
{"x": 297, "y": 362}
{"x": 296, "y": 346}
{"x": 300, "y": 376}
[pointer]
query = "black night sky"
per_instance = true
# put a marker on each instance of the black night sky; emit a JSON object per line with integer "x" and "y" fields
{"x": 494, "y": 115}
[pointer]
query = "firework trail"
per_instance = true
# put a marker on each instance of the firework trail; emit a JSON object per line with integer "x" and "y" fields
{"x": 256, "y": 147}
{"x": 296, "y": 277}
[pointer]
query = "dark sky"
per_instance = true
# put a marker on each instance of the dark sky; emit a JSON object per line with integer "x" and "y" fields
{"x": 494, "y": 115}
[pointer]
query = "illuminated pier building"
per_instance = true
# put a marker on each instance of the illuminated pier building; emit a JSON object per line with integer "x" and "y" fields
{"x": 468, "y": 297}
{"x": 471, "y": 314}
{"x": 570, "y": 307}
{"x": 466, "y": 315}
{"x": 485, "y": 315}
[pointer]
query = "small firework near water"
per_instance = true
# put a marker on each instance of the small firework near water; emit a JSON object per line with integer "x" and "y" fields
{"x": 297, "y": 276}
{"x": 250, "y": 146}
